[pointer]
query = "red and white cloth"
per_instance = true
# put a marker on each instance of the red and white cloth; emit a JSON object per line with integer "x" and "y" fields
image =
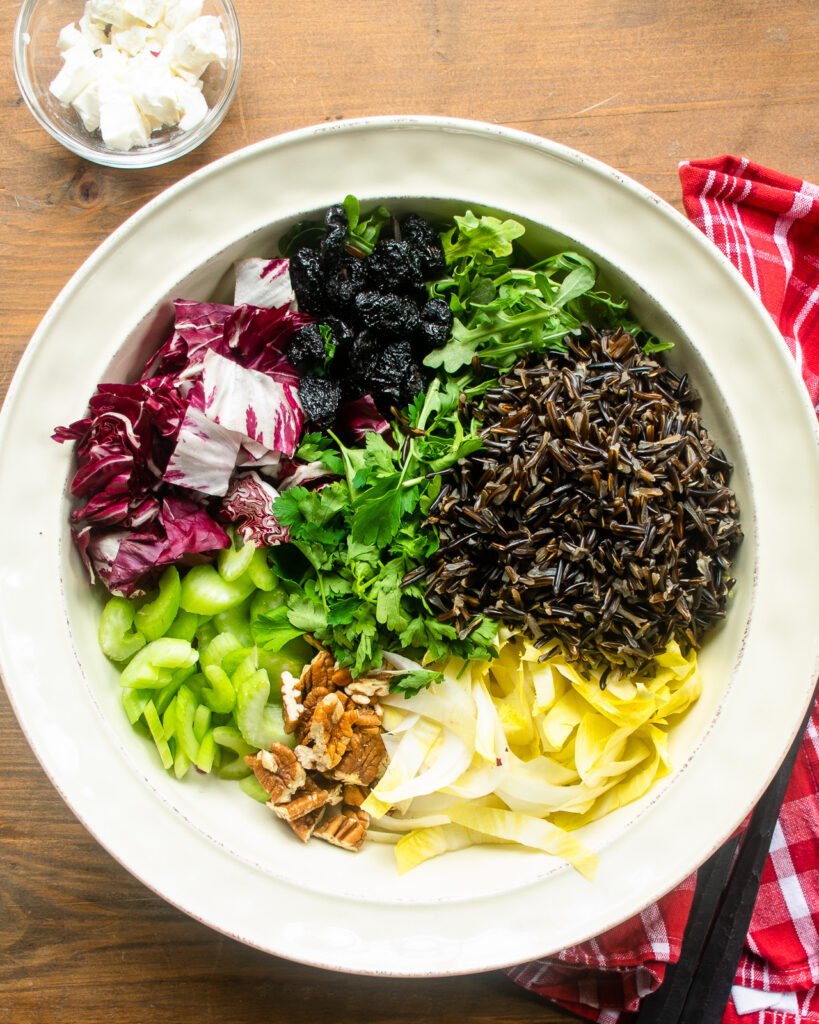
{"x": 767, "y": 224}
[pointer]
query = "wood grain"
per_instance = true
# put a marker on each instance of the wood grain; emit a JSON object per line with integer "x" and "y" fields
{"x": 639, "y": 84}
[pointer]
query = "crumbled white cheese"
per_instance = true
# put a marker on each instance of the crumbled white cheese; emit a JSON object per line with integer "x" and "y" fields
{"x": 134, "y": 66}
{"x": 197, "y": 45}
{"x": 182, "y": 13}
{"x": 121, "y": 122}
{"x": 77, "y": 72}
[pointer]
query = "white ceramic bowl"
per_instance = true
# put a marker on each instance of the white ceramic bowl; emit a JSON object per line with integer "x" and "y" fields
{"x": 216, "y": 854}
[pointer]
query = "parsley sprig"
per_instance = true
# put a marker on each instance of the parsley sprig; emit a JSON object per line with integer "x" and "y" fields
{"x": 353, "y": 541}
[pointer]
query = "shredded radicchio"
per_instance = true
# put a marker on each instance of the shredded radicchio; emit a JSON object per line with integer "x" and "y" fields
{"x": 154, "y": 458}
{"x": 249, "y": 505}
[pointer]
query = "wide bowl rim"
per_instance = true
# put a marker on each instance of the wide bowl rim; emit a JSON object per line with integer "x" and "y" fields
{"x": 144, "y": 157}
{"x": 447, "y": 124}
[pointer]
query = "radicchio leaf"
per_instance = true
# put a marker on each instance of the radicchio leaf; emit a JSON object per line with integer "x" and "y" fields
{"x": 125, "y": 559}
{"x": 358, "y": 418}
{"x": 249, "y": 504}
{"x": 261, "y": 282}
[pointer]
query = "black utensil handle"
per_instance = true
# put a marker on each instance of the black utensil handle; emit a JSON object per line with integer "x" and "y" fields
{"x": 711, "y": 988}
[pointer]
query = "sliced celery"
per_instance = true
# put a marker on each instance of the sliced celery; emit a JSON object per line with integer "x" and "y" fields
{"x": 154, "y": 619}
{"x": 252, "y": 787}
{"x": 260, "y": 572}
{"x": 232, "y": 562}
{"x": 158, "y": 733}
{"x": 205, "y": 592}
{"x": 118, "y": 640}
{"x": 220, "y": 696}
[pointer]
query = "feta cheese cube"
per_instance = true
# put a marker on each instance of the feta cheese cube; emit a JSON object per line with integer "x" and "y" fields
{"x": 110, "y": 12}
{"x": 192, "y": 105}
{"x": 197, "y": 45}
{"x": 180, "y": 13}
{"x": 92, "y": 31}
{"x": 121, "y": 123}
{"x": 154, "y": 89}
{"x": 132, "y": 40}
{"x": 77, "y": 72}
{"x": 87, "y": 105}
{"x": 69, "y": 37}
{"x": 149, "y": 12}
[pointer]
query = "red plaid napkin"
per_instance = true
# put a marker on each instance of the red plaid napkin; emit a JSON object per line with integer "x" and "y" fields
{"x": 767, "y": 224}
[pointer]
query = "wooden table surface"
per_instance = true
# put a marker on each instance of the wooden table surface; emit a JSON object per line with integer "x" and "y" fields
{"x": 639, "y": 84}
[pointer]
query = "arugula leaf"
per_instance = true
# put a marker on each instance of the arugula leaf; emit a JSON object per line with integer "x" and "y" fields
{"x": 477, "y": 236}
{"x": 363, "y": 234}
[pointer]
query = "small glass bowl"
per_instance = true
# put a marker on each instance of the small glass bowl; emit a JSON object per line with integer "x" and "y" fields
{"x": 37, "y": 62}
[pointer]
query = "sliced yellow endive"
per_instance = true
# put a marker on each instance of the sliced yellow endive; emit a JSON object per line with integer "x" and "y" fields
{"x": 528, "y": 831}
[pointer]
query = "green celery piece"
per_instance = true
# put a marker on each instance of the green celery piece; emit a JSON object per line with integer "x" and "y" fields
{"x": 185, "y": 625}
{"x": 233, "y": 659}
{"x": 164, "y": 696}
{"x": 236, "y": 620}
{"x": 265, "y": 601}
{"x": 154, "y": 619}
{"x": 149, "y": 667}
{"x": 260, "y": 572}
{"x": 158, "y": 734}
{"x": 169, "y": 719}
{"x": 251, "y": 786}
{"x": 205, "y": 631}
{"x": 206, "y": 593}
{"x": 259, "y": 723}
{"x": 219, "y": 646}
{"x": 116, "y": 638}
{"x": 201, "y": 721}
{"x": 220, "y": 695}
{"x": 228, "y": 736}
{"x": 234, "y": 768}
{"x": 134, "y": 702}
{"x": 207, "y": 752}
{"x": 185, "y": 714}
{"x": 234, "y": 561}
{"x": 181, "y": 764}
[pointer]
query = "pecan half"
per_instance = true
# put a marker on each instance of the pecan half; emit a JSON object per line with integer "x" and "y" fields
{"x": 292, "y": 707}
{"x": 331, "y": 729}
{"x": 341, "y": 830}
{"x": 305, "y": 826}
{"x": 278, "y": 770}
{"x": 362, "y": 761}
{"x": 309, "y": 798}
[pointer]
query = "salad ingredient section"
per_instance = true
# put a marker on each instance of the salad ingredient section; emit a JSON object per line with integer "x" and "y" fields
{"x": 417, "y": 540}
{"x": 132, "y": 67}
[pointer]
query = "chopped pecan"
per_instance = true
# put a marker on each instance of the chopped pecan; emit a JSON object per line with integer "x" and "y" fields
{"x": 278, "y": 770}
{"x": 334, "y": 790}
{"x": 362, "y": 761}
{"x": 305, "y": 826}
{"x": 356, "y": 813}
{"x": 309, "y": 798}
{"x": 311, "y": 702}
{"x": 341, "y": 830}
{"x": 292, "y": 707}
{"x": 331, "y": 729}
{"x": 318, "y": 673}
{"x": 354, "y": 796}
{"x": 363, "y": 689}
{"x": 367, "y": 720}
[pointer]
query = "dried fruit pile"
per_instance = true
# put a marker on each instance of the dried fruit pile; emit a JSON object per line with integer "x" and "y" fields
{"x": 598, "y": 511}
{"x": 374, "y": 321}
